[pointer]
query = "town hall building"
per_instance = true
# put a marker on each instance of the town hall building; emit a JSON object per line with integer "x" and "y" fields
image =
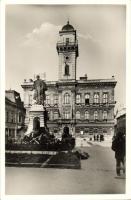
{"x": 85, "y": 106}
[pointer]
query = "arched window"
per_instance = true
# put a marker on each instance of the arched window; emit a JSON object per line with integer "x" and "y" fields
{"x": 66, "y": 70}
{"x": 66, "y": 98}
{"x": 49, "y": 116}
{"x": 95, "y": 115}
{"x": 78, "y": 98}
{"x": 86, "y": 115}
{"x": 77, "y": 114}
{"x": 87, "y": 98}
{"x": 105, "y": 98}
{"x": 47, "y": 99}
{"x": 55, "y": 115}
{"x": 66, "y": 114}
{"x": 55, "y": 99}
{"x": 105, "y": 115}
{"x": 96, "y": 98}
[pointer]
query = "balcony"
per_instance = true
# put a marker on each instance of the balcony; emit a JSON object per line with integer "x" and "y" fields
{"x": 67, "y": 46}
{"x": 61, "y": 44}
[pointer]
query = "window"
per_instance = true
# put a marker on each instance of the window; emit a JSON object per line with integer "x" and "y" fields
{"x": 86, "y": 115}
{"x": 87, "y": 98}
{"x": 55, "y": 115}
{"x": 47, "y": 99}
{"x": 19, "y": 118}
{"x": 78, "y": 98}
{"x": 105, "y": 98}
{"x": 7, "y": 116}
{"x": 96, "y": 98}
{"x": 105, "y": 115}
{"x": 95, "y": 115}
{"x": 66, "y": 98}
{"x": 12, "y": 117}
{"x": 67, "y": 40}
{"x": 48, "y": 114}
{"x": 77, "y": 115}
{"x": 66, "y": 115}
{"x": 55, "y": 99}
{"x": 66, "y": 70}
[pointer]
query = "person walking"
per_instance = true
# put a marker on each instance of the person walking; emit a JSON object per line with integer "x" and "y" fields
{"x": 97, "y": 137}
{"x": 118, "y": 145}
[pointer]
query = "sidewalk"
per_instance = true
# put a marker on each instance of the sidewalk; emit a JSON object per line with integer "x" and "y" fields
{"x": 85, "y": 142}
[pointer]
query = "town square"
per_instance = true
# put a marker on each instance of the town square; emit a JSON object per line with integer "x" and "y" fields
{"x": 65, "y": 106}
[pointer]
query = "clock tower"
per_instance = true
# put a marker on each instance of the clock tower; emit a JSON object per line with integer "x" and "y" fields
{"x": 67, "y": 48}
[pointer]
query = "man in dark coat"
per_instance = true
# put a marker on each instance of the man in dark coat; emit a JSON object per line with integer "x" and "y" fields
{"x": 118, "y": 145}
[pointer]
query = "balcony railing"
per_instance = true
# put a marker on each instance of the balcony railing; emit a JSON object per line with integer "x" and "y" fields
{"x": 67, "y": 43}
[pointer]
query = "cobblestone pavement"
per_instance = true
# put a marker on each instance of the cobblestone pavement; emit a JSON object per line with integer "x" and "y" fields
{"x": 97, "y": 176}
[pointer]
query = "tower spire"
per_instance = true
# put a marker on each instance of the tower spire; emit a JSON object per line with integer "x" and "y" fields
{"x": 68, "y": 20}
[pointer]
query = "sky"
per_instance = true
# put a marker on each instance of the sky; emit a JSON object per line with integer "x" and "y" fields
{"x": 31, "y": 34}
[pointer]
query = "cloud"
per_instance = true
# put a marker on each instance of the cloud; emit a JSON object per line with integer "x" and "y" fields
{"x": 88, "y": 37}
{"x": 45, "y": 35}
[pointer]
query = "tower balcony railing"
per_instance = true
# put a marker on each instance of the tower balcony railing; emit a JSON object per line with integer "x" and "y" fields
{"x": 67, "y": 43}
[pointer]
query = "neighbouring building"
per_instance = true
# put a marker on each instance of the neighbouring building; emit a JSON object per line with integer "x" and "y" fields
{"x": 120, "y": 121}
{"x": 14, "y": 115}
{"x": 85, "y": 106}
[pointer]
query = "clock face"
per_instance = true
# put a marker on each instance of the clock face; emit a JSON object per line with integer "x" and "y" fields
{"x": 67, "y": 58}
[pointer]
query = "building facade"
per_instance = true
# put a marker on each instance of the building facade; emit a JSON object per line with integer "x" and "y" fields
{"x": 14, "y": 115}
{"x": 120, "y": 121}
{"x": 85, "y": 106}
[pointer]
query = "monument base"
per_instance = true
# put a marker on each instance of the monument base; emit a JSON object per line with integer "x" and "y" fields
{"x": 36, "y": 115}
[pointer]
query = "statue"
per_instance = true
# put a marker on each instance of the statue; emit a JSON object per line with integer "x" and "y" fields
{"x": 39, "y": 91}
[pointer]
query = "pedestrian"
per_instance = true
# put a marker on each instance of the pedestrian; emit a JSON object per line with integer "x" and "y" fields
{"x": 118, "y": 145}
{"x": 94, "y": 137}
{"x": 100, "y": 137}
{"x": 97, "y": 137}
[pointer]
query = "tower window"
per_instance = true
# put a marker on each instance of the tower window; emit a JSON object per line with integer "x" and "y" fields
{"x": 66, "y": 70}
{"x": 67, "y": 40}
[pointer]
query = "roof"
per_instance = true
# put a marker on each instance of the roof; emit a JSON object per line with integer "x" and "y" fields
{"x": 121, "y": 113}
{"x": 68, "y": 27}
{"x": 89, "y": 82}
{"x": 13, "y": 97}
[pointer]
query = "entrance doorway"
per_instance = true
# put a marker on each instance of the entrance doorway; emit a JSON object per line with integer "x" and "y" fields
{"x": 66, "y": 130}
{"x": 36, "y": 124}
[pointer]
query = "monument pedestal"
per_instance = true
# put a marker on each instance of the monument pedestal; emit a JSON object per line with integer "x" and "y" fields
{"x": 36, "y": 112}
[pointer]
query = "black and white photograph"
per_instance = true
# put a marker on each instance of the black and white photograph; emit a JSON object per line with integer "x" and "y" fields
{"x": 65, "y": 99}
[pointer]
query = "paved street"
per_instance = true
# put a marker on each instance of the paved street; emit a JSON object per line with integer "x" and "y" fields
{"x": 97, "y": 176}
